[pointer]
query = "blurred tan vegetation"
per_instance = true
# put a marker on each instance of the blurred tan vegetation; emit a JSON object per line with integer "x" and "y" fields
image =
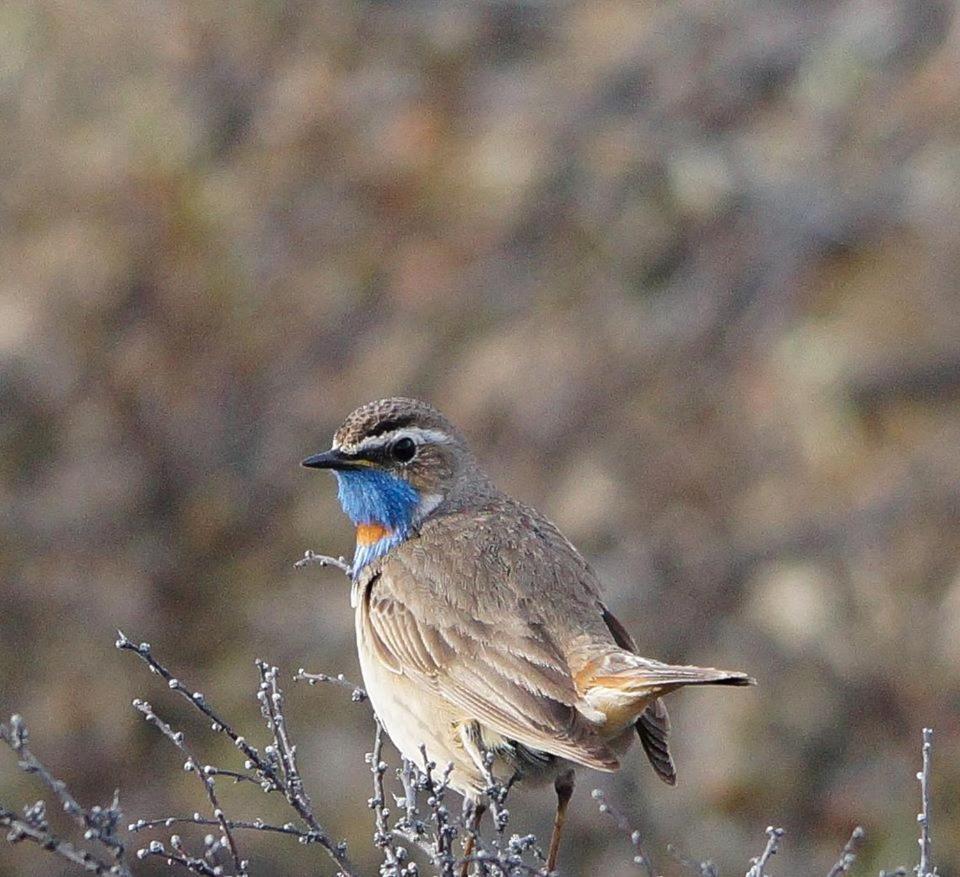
{"x": 686, "y": 274}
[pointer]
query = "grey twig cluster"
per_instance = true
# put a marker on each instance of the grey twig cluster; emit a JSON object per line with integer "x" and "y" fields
{"x": 204, "y": 863}
{"x": 99, "y": 824}
{"x": 275, "y": 769}
{"x": 416, "y": 817}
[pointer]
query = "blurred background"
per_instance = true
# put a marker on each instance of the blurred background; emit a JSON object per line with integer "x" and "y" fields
{"x": 686, "y": 275}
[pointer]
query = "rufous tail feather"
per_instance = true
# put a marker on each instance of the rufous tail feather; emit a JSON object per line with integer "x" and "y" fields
{"x": 622, "y": 685}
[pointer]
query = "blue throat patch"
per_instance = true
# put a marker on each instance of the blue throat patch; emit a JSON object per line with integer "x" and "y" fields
{"x": 372, "y": 496}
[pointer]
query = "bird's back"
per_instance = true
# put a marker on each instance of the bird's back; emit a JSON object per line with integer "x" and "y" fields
{"x": 494, "y": 610}
{"x": 504, "y": 563}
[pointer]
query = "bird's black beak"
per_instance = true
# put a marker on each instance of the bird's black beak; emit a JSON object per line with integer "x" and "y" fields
{"x": 333, "y": 459}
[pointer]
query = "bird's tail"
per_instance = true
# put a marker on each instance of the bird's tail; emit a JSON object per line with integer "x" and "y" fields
{"x": 621, "y": 685}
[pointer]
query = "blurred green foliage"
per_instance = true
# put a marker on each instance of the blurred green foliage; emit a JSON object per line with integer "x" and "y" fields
{"x": 686, "y": 274}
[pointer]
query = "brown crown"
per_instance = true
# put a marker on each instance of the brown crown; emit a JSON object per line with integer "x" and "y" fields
{"x": 386, "y": 415}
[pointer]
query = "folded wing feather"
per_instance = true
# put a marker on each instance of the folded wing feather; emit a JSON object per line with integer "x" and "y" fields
{"x": 497, "y": 678}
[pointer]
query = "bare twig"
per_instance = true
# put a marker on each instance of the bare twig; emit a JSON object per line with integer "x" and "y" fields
{"x": 191, "y": 764}
{"x": 509, "y": 861}
{"x": 357, "y": 694}
{"x": 444, "y": 830}
{"x": 234, "y": 775}
{"x": 505, "y": 858}
{"x": 507, "y": 866}
{"x": 382, "y": 835}
{"x": 410, "y": 824}
{"x": 704, "y": 868}
{"x": 305, "y": 837}
{"x": 270, "y": 696}
{"x": 33, "y": 828}
{"x": 205, "y": 865}
{"x": 758, "y": 864}
{"x": 849, "y": 854}
{"x": 923, "y": 817}
{"x": 98, "y": 823}
{"x": 271, "y": 705}
{"x": 275, "y": 768}
{"x": 496, "y": 793}
{"x": 640, "y": 858}
{"x": 265, "y": 770}
{"x": 311, "y": 558}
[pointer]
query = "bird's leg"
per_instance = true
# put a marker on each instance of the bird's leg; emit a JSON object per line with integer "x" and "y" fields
{"x": 564, "y": 786}
{"x": 475, "y": 810}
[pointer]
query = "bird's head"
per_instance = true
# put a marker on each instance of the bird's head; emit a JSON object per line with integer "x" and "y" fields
{"x": 396, "y": 461}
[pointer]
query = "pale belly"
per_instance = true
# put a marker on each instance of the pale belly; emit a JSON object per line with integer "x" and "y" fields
{"x": 414, "y": 717}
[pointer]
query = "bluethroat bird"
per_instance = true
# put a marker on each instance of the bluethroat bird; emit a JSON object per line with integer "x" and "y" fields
{"x": 480, "y": 628}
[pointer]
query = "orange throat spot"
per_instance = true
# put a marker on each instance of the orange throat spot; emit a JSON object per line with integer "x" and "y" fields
{"x": 370, "y": 534}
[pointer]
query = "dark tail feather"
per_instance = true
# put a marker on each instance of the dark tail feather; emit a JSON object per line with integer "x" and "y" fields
{"x": 653, "y": 729}
{"x": 649, "y": 674}
{"x": 732, "y": 679}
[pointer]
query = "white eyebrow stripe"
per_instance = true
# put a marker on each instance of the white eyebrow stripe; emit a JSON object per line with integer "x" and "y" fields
{"x": 419, "y": 435}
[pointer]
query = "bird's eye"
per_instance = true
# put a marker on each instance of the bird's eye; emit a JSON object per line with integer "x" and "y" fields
{"x": 403, "y": 449}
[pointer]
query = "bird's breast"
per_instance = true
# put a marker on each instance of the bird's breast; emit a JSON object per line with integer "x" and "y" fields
{"x": 373, "y": 541}
{"x": 370, "y": 534}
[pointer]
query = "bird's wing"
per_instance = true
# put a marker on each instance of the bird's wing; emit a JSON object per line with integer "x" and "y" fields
{"x": 653, "y": 726}
{"x": 506, "y": 676}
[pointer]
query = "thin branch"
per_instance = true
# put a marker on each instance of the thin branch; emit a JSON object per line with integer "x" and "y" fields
{"x": 704, "y": 868}
{"x": 269, "y": 779}
{"x": 305, "y": 837}
{"x": 410, "y": 822}
{"x": 382, "y": 836}
{"x": 21, "y": 829}
{"x": 311, "y": 558}
{"x": 923, "y": 817}
{"x": 357, "y": 694}
{"x": 849, "y": 854}
{"x": 270, "y": 696}
{"x": 98, "y": 823}
{"x": 444, "y": 830}
{"x": 271, "y": 705}
{"x": 496, "y": 792}
{"x": 410, "y": 827}
{"x": 191, "y": 764}
{"x": 506, "y": 865}
{"x": 758, "y": 864}
{"x": 204, "y": 865}
{"x": 640, "y": 858}
{"x": 234, "y": 775}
